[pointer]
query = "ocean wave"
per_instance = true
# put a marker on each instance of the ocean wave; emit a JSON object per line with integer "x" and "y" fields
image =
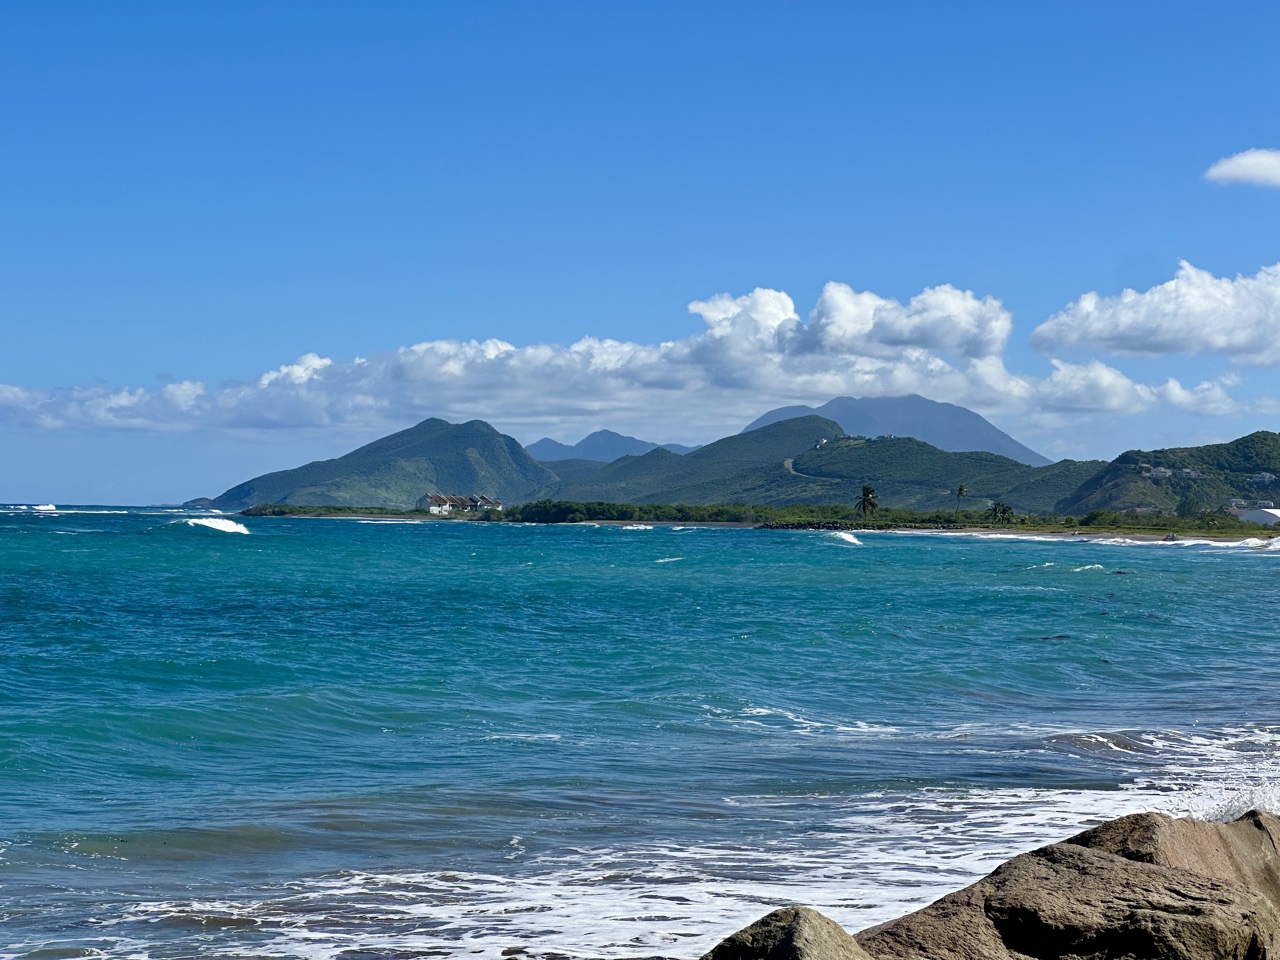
{"x": 668, "y": 560}
{"x": 1248, "y": 543}
{"x": 220, "y": 524}
{"x": 845, "y": 537}
{"x": 637, "y": 526}
{"x": 868, "y": 859}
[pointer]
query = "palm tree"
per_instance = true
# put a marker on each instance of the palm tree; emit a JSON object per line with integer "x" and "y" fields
{"x": 867, "y": 503}
{"x": 1000, "y": 513}
{"x": 961, "y": 491}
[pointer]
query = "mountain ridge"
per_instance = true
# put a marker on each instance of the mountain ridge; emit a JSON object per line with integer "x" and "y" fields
{"x": 946, "y": 426}
{"x": 397, "y": 470}
{"x": 604, "y": 446}
{"x": 1199, "y": 478}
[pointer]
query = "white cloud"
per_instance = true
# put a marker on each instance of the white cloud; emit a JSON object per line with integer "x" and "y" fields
{"x": 1206, "y": 397}
{"x": 942, "y": 319}
{"x": 1092, "y": 386}
{"x": 1194, "y": 313}
{"x": 752, "y": 353}
{"x": 1260, "y": 167}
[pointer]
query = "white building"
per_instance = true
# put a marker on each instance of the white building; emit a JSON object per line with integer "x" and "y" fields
{"x": 1265, "y": 517}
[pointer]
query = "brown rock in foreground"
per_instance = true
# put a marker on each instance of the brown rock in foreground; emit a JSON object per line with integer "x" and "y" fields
{"x": 1144, "y": 887}
{"x": 792, "y": 933}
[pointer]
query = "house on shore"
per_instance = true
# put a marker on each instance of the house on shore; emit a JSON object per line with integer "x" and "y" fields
{"x": 447, "y": 504}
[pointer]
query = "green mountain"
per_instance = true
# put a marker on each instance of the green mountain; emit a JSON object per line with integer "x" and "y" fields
{"x": 433, "y": 457}
{"x": 945, "y": 425}
{"x": 716, "y": 473}
{"x": 573, "y": 470}
{"x": 808, "y": 460}
{"x": 913, "y": 474}
{"x": 1183, "y": 479}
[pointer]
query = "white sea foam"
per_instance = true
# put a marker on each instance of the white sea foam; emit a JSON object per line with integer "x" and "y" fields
{"x": 89, "y": 512}
{"x": 864, "y": 860}
{"x": 1250, "y": 543}
{"x": 668, "y": 560}
{"x": 846, "y": 537}
{"x": 860, "y": 859}
{"x": 1088, "y": 566}
{"x": 45, "y": 507}
{"x": 637, "y": 526}
{"x": 216, "y": 523}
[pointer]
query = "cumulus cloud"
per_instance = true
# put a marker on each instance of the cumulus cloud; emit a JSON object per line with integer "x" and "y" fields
{"x": 1194, "y": 313}
{"x": 1260, "y": 167}
{"x": 1092, "y": 387}
{"x": 751, "y": 352}
{"x": 1208, "y": 396}
{"x": 941, "y": 319}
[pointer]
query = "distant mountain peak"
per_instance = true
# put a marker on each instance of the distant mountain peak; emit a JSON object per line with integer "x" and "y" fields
{"x": 944, "y": 425}
{"x": 603, "y": 445}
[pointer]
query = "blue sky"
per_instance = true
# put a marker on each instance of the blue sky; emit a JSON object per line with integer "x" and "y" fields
{"x": 240, "y": 236}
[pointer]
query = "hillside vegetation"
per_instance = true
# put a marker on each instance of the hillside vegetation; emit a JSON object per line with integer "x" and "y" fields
{"x": 914, "y": 475}
{"x": 782, "y": 463}
{"x": 395, "y": 471}
{"x": 720, "y": 472}
{"x": 1222, "y": 472}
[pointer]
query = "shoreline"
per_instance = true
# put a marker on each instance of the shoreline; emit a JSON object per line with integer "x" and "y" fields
{"x": 1074, "y": 534}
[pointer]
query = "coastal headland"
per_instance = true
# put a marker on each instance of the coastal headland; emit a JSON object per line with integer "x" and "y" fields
{"x": 1143, "y": 887}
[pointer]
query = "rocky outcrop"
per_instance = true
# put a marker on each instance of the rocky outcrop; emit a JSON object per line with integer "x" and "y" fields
{"x": 792, "y": 933}
{"x": 1144, "y": 887}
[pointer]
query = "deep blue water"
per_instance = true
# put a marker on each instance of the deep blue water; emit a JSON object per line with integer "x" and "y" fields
{"x": 339, "y": 739}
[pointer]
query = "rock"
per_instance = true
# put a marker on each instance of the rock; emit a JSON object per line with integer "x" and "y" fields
{"x": 1144, "y": 887}
{"x": 1244, "y": 851}
{"x": 792, "y": 933}
{"x": 1070, "y": 901}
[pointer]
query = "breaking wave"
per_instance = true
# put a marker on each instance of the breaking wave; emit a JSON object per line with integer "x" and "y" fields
{"x": 221, "y": 524}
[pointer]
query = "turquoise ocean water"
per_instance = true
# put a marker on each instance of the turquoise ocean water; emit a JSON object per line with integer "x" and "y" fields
{"x": 338, "y": 739}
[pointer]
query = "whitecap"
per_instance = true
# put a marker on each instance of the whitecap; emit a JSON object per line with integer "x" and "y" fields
{"x": 1090, "y": 566}
{"x": 45, "y": 507}
{"x": 216, "y": 523}
{"x": 637, "y": 526}
{"x": 668, "y": 560}
{"x": 847, "y": 537}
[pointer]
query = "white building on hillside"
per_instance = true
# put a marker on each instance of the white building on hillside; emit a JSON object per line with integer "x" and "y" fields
{"x": 1265, "y": 517}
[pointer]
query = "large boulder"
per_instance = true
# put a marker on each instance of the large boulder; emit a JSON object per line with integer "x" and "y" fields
{"x": 792, "y": 933}
{"x": 1145, "y": 887}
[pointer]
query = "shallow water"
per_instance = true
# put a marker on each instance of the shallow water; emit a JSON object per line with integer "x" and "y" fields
{"x": 339, "y": 739}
